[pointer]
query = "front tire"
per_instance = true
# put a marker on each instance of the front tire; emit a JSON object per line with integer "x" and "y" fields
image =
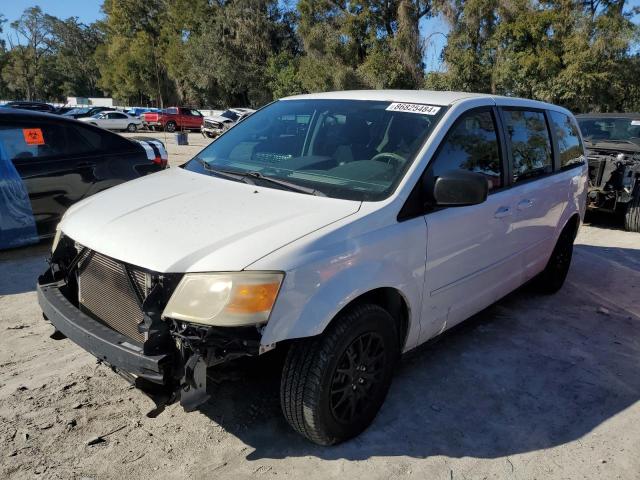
{"x": 632, "y": 215}
{"x": 132, "y": 127}
{"x": 334, "y": 384}
{"x": 551, "y": 279}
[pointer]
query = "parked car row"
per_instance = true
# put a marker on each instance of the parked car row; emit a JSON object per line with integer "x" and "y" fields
{"x": 169, "y": 119}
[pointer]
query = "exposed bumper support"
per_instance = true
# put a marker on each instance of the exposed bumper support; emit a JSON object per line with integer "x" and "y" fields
{"x": 99, "y": 340}
{"x": 180, "y": 373}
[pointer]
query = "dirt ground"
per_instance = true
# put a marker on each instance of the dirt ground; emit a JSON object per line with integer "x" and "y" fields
{"x": 534, "y": 387}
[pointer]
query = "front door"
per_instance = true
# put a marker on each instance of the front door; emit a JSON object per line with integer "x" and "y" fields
{"x": 471, "y": 252}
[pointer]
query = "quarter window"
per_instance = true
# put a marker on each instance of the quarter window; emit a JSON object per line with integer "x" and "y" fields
{"x": 569, "y": 143}
{"x": 529, "y": 142}
{"x": 472, "y": 144}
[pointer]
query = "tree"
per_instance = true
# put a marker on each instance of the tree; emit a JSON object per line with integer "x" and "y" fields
{"x": 25, "y": 71}
{"x": 220, "y": 56}
{"x": 130, "y": 60}
{"x": 373, "y": 43}
{"x": 4, "y": 91}
{"x": 73, "y": 45}
{"x": 563, "y": 51}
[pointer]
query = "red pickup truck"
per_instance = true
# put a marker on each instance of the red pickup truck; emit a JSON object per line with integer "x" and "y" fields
{"x": 172, "y": 119}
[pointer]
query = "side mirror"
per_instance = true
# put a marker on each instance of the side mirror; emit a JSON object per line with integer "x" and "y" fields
{"x": 456, "y": 188}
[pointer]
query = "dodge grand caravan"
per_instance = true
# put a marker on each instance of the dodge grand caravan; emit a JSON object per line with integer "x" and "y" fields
{"x": 345, "y": 227}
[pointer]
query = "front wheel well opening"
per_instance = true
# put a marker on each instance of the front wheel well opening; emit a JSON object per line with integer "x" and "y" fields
{"x": 573, "y": 224}
{"x": 393, "y": 302}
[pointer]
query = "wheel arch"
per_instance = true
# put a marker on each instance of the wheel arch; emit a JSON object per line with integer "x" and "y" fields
{"x": 319, "y": 316}
{"x": 573, "y": 223}
{"x": 390, "y": 299}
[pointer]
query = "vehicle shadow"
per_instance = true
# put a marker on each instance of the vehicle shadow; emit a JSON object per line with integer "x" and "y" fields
{"x": 20, "y": 268}
{"x": 528, "y": 373}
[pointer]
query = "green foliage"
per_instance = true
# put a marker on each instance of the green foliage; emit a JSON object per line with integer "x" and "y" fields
{"x": 562, "y": 51}
{"x": 217, "y": 53}
{"x": 283, "y": 75}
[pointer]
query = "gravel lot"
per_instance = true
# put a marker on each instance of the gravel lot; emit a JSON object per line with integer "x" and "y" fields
{"x": 533, "y": 387}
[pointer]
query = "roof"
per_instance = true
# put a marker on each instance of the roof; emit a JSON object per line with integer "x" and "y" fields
{"x": 633, "y": 116}
{"x": 429, "y": 97}
{"x": 409, "y": 96}
{"x": 18, "y": 113}
{"x": 27, "y": 102}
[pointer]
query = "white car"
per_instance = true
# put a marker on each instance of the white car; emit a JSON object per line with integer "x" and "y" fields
{"x": 114, "y": 120}
{"x": 346, "y": 228}
{"x": 214, "y": 125}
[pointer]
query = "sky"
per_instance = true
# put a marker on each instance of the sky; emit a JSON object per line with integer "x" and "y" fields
{"x": 87, "y": 11}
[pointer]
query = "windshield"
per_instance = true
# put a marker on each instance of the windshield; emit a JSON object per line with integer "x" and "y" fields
{"x": 603, "y": 129}
{"x": 229, "y": 114}
{"x": 349, "y": 149}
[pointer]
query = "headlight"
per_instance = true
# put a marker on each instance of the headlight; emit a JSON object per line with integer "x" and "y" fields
{"x": 224, "y": 299}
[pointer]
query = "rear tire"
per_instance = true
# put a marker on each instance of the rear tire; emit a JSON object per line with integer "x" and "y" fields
{"x": 551, "y": 279}
{"x": 132, "y": 127}
{"x": 334, "y": 384}
{"x": 170, "y": 127}
{"x": 632, "y": 216}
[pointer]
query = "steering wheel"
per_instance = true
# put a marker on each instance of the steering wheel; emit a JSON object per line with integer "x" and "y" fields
{"x": 391, "y": 158}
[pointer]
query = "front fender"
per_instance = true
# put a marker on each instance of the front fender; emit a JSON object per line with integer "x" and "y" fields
{"x": 314, "y": 293}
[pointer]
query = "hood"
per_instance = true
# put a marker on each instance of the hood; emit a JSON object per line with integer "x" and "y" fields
{"x": 181, "y": 221}
{"x": 615, "y": 146}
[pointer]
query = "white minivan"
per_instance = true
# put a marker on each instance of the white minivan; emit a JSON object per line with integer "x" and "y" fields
{"x": 344, "y": 228}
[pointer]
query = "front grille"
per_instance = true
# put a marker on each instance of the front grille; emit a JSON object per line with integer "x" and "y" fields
{"x": 211, "y": 124}
{"x": 106, "y": 293}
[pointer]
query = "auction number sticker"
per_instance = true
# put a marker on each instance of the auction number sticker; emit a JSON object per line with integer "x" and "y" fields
{"x": 413, "y": 108}
{"x": 33, "y": 136}
{"x": 635, "y": 123}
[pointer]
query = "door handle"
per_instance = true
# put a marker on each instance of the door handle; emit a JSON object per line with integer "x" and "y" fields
{"x": 502, "y": 212}
{"x": 526, "y": 203}
{"x": 575, "y": 180}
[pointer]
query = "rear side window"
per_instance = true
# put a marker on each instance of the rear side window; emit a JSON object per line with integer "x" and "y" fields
{"x": 94, "y": 140}
{"x": 569, "y": 143}
{"x": 472, "y": 144}
{"x": 530, "y": 144}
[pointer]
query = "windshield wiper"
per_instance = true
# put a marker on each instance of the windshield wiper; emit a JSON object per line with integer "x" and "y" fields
{"x": 220, "y": 172}
{"x": 248, "y": 177}
{"x": 283, "y": 183}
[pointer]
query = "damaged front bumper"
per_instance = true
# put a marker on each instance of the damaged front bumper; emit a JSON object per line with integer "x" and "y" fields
{"x": 172, "y": 364}
{"x": 210, "y": 130}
